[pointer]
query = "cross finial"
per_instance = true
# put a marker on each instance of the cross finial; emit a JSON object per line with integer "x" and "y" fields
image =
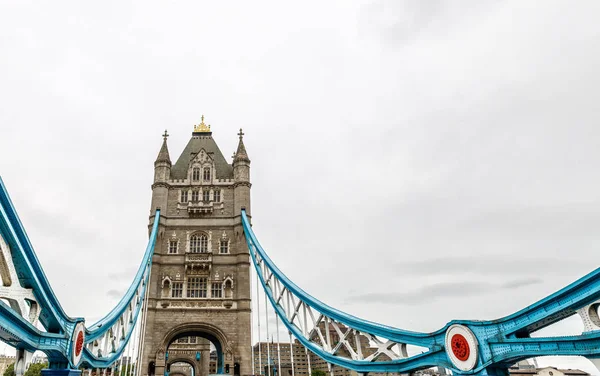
{"x": 165, "y": 135}
{"x": 241, "y": 134}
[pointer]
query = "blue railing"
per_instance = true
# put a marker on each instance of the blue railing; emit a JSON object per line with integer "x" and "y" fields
{"x": 496, "y": 343}
{"x": 57, "y": 341}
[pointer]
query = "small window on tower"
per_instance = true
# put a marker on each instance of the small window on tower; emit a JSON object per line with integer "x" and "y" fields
{"x": 206, "y": 195}
{"x": 224, "y": 248}
{"x": 203, "y": 243}
{"x": 217, "y": 195}
{"x": 184, "y": 196}
{"x": 196, "y": 174}
{"x": 206, "y": 173}
{"x": 217, "y": 290}
{"x": 173, "y": 246}
{"x": 196, "y": 287}
{"x": 177, "y": 290}
{"x": 193, "y": 340}
{"x": 199, "y": 243}
{"x": 195, "y": 196}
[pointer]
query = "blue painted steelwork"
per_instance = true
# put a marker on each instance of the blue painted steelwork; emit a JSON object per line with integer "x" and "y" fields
{"x": 57, "y": 341}
{"x": 499, "y": 343}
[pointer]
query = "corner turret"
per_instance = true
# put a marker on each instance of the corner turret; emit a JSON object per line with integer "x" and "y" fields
{"x": 162, "y": 172}
{"x": 162, "y": 165}
{"x": 241, "y": 176}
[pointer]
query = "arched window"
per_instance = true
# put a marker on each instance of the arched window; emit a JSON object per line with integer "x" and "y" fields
{"x": 206, "y": 195}
{"x": 199, "y": 243}
{"x": 206, "y": 175}
{"x": 196, "y": 174}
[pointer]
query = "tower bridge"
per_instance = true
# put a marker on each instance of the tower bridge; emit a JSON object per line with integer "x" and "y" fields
{"x": 191, "y": 298}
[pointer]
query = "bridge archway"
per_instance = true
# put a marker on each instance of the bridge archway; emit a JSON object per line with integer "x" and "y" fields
{"x": 203, "y": 330}
{"x": 174, "y": 368}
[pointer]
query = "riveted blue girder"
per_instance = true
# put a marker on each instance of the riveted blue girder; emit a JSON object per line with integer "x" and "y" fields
{"x": 115, "y": 329}
{"x": 496, "y": 343}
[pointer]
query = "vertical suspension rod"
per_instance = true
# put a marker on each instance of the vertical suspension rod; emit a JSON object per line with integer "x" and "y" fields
{"x": 260, "y": 369}
{"x": 252, "y": 336}
{"x": 308, "y": 360}
{"x": 268, "y": 344}
{"x": 129, "y": 351}
{"x": 136, "y": 348}
{"x": 278, "y": 349}
{"x": 292, "y": 355}
{"x": 145, "y": 313}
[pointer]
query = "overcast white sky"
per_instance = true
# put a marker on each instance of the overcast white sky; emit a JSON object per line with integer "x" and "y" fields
{"x": 413, "y": 162}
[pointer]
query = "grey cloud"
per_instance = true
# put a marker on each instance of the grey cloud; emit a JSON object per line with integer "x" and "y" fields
{"x": 489, "y": 265}
{"x": 521, "y": 283}
{"x": 123, "y": 275}
{"x": 57, "y": 225}
{"x": 400, "y": 22}
{"x": 115, "y": 294}
{"x": 394, "y": 145}
{"x": 427, "y": 293}
{"x": 439, "y": 291}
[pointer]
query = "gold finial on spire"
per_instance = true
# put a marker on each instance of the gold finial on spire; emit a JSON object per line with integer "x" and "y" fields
{"x": 202, "y": 127}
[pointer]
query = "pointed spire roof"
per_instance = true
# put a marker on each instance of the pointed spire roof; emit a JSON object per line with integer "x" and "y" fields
{"x": 241, "y": 154}
{"x": 163, "y": 154}
{"x": 201, "y": 140}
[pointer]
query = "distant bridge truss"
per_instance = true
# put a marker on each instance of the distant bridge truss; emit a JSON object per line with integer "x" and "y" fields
{"x": 462, "y": 346}
{"x": 31, "y": 318}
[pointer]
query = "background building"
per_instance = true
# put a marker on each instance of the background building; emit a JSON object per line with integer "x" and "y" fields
{"x": 5, "y": 361}
{"x": 547, "y": 371}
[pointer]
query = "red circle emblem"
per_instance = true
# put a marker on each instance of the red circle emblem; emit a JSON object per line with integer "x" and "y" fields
{"x": 79, "y": 343}
{"x": 460, "y": 347}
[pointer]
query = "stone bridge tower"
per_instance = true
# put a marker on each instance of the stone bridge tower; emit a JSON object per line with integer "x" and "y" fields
{"x": 200, "y": 281}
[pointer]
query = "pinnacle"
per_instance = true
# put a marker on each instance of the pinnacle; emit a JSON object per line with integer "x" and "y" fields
{"x": 241, "y": 154}
{"x": 163, "y": 154}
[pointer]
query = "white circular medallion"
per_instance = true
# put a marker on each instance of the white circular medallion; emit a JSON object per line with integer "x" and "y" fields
{"x": 77, "y": 343}
{"x": 461, "y": 347}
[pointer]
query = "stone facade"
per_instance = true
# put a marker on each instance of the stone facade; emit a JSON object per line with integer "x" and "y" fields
{"x": 200, "y": 278}
{"x": 5, "y": 361}
{"x": 192, "y": 352}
